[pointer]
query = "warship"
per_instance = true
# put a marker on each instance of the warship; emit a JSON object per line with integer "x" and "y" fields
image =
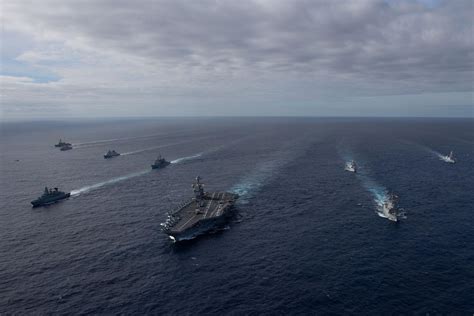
{"x": 389, "y": 208}
{"x": 159, "y": 163}
{"x": 111, "y": 154}
{"x": 351, "y": 166}
{"x": 66, "y": 147}
{"x": 449, "y": 158}
{"x": 50, "y": 196}
{"x": 202, "y": 213}
{"x": 61, "y": 143}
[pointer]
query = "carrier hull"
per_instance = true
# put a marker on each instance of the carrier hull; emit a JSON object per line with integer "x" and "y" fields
{"x": 201, "y": 227}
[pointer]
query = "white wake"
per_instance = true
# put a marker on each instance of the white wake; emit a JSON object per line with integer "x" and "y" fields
{"x": 182, "y": 159}
{"x": 108, "y": 182}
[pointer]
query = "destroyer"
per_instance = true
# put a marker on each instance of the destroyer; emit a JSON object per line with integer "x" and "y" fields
{"x": 159, "y": 163}
{"x": 449, "y": 158}
{"x": 204, "y": 212}
{"x": 111, "y": 154}
{"x": 61, "y": 143}
{"x": 50, "y": 196}
{"x": 351, "y": 166}
{"x": 389, "y": 208}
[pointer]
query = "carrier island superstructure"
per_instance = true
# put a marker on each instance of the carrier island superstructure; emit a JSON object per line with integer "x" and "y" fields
{"x": 203, "y": 213}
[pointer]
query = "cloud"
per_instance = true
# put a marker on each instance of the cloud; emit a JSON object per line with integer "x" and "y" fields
{"x": 258, "y": 51}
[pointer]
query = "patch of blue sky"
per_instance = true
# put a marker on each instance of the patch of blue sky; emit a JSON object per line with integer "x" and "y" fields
{"x": 15, "y": 68}
{"x": 427, "y": 3}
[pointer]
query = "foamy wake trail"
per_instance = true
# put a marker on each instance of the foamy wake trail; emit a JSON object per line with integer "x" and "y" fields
{"x": 252, "y": 182}
{"x": 136, "y": 174}
{"x": 435, "y": 153}
{"x": 207, "y": 152}
{"x": 427, "y": 149}
{"x": 380, "y": 197}
{"x": 111, "y": 140}
{"x": 126, "y": 177}
{"x": 379, "y": 193}
{"x": 182, "y": 159}
{"x": 153, "y": 148}
{"x": 108, "y": 182}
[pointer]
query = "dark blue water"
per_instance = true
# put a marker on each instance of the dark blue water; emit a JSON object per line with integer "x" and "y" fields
{"x": 307, "y": 238}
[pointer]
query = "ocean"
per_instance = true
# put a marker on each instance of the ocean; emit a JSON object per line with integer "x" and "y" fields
{"x": 307, "y": 236}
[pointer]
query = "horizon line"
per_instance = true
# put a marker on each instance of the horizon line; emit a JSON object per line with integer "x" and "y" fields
{"x": 89, "y": 118}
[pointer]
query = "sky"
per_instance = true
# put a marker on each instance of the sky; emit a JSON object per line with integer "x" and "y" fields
{"x": 122, "y": 58}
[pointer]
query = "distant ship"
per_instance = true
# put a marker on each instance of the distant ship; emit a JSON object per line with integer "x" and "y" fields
{"x": 159, "y": 163}
{"x": 50, "y": 196}
{"x": 204, "y": 212}
{"x": 61, "y": 143}
{"x": 66, "y": 147}
{"x": 449, "y": 158}
{"x": 351, "y": 166}
{"x": 389, "y": 208}
{"x": 111, "y": 154}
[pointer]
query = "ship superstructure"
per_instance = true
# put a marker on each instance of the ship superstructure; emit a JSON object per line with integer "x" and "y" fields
{"x": 351, "y": 166}
{"x": 449, "y": 158}
{"x": 389, "y": 208}
{"x": 160, "y": 162}
{"x": 111, "y": 154}
{"x": 61, "y": 143}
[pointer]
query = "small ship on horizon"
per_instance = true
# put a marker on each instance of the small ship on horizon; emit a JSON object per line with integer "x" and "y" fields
{"x": 111, "y": 154}
{"x": 449, "y": 158}
{"x": 50, "y": 196}
{"x": 351, "y": 166}
{"x": 61, "y": 143}
{"x": 389, "y": 208}
{"x": 160, "y": 162}
{"x": 201, "y": 214}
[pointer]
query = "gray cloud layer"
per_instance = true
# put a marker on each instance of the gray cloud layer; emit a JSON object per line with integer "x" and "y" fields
{"x": 270, "y": 50}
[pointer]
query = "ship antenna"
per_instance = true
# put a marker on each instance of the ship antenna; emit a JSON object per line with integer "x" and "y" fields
{"x": 198, "y": 190}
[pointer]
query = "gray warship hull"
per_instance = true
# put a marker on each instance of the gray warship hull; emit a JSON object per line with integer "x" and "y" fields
{"x": 161, "y": 165}
{"x": 50, "y": 200}
{"x": 197, "y": 217}
{"x": 111, "y": 156}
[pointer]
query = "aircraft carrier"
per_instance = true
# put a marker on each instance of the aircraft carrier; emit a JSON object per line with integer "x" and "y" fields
{"x": 201, "y": 214}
